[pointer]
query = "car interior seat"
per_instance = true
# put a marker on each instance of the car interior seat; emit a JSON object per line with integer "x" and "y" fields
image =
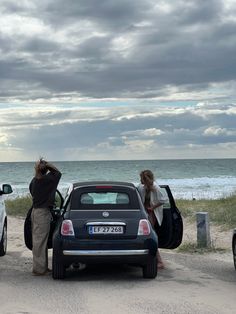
{"x": 86, "y": 199}
{"x": 122, "y": 198}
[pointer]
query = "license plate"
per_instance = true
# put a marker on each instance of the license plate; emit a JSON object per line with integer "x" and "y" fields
{"x": 106, "y": 229}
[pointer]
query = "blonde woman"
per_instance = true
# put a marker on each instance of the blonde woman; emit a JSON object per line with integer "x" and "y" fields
{"x": 153, "y": 201}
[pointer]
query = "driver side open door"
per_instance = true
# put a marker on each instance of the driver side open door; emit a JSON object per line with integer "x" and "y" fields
{"x": 56, "y": 212}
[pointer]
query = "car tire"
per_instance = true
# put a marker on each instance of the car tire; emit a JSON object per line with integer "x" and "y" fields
{"x": 3, "y": 243}
{"x": 58, "y": 269}
{"x": 234, "y": 251}
{"x": 150, "y": 269}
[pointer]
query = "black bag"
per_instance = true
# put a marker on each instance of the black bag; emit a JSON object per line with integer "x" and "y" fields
{"x": 28, "y": 229}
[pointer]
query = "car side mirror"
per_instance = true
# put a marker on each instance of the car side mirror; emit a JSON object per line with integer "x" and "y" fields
{"x": 6, "y": 189}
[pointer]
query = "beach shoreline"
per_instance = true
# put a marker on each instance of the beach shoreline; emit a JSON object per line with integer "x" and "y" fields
{"x": 188, "y": 179}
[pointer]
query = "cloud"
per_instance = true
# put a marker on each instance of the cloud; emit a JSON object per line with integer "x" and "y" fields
{"x": 102, "y": 132}
{"x": 216, "y": 131}
{"x": 122, "y": 79}
{"x": 143, "y": 133}
{"x": 135, "y": 49}
{"x": 3, "y": 138}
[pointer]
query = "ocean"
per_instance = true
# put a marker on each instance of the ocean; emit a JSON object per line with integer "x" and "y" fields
{"x": 188, "y": 179}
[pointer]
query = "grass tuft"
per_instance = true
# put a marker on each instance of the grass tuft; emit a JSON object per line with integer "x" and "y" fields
{"x": 191, "y": 247}
{"x": 221, "y": 211}
{"x": 18, "y": 206}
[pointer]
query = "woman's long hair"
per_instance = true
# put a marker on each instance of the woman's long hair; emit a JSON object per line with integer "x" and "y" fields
{"x": 147, "y": 178}
{"x": 40, "y": 168}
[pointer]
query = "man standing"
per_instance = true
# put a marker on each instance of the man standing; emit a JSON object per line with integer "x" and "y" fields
{"x": 42, "y": 188}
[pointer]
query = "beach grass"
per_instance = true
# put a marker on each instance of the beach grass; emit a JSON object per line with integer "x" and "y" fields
{"x": 192, "y": 247}
{"x": 18, "y": 206}
{"x": 221, "y": 211}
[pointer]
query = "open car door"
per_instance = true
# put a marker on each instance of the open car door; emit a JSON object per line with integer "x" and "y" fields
{"x": 170, "y": 233}
{"x": 56, "y": 214}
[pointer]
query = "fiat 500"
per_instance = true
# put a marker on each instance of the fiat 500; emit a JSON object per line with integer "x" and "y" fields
{"x": 106, "y": 222}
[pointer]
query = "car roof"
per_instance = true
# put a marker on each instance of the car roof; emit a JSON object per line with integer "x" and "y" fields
{"x": 94, "y": 183}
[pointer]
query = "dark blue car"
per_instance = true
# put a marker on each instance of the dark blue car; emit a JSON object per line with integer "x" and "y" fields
{"x": 106, "y": 222}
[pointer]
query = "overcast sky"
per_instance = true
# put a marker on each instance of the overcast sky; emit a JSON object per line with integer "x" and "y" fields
{"x": 117, "y": 79}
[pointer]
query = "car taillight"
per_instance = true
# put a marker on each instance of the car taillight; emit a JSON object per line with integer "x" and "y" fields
{"x": 144, "y": 227}
{"x": 67, "y": 228}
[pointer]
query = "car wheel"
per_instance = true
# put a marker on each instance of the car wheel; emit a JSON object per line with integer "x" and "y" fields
{"x": 3, "y": 243}
{"x": 234, "y": 251}
{"x": 58, "y": 269}
{"x": 150, "y": 269}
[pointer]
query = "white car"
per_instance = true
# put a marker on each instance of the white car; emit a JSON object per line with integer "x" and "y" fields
{"x": 4, "y": 189}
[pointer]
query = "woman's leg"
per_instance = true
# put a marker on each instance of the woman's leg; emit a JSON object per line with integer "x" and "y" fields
{"x": 41, "y": 218}
{"x": 160, "y": 264}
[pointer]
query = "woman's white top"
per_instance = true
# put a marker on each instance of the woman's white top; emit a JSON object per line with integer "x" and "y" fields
{"x": 156, "y": 196}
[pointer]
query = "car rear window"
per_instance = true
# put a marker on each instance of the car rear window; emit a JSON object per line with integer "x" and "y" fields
{"x": 104, "y": 199}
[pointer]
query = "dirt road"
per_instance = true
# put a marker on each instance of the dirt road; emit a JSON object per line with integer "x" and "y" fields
{"x": 191, "y": 283}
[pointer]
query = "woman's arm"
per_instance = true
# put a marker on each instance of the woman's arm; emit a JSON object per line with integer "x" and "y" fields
{"x": 157, "y": 198}
{"x": 53, "y": 170}
{"x": 51, "y": 167}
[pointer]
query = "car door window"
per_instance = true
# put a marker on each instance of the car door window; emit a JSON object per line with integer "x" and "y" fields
{"x": 58, "y": 200}
{"x": 167, "y": 200}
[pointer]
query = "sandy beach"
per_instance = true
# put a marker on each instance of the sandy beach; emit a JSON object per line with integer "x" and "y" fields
{"x": 191, "y": 283}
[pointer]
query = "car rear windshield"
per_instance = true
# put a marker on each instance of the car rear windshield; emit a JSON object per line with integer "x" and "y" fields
{"x": 104, "y": 199}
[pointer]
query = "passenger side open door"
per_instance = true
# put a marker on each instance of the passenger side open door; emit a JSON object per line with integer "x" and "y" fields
{"x": 170, "y": 233}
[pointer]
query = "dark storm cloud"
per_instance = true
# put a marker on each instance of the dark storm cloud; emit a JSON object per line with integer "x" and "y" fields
{"x": 40, "y": 45}
{"x": 115, "y": 48}
{"x": 56, "y": 55}
{"x": 201, "y": 11}
{"x": 106, "y": 13}
{"x": 12, "y": 6}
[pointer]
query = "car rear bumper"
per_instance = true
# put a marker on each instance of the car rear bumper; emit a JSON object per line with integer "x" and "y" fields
{"x": 73, "y": 250}
{"x": 102, "y": 257}
{"x": 105, "y": 252}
